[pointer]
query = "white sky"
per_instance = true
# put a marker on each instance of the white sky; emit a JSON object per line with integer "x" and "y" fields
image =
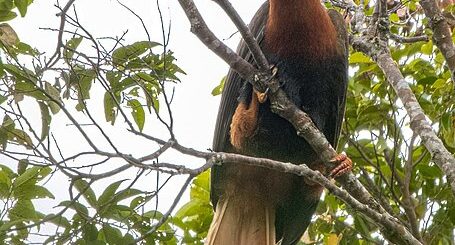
{"x": 194, "y": 107}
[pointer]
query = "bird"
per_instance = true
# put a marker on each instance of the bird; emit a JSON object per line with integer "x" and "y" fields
{"x": 308, "y": 47}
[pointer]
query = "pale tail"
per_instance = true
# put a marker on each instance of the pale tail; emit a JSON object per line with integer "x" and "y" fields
{"x": 242, "y": 222}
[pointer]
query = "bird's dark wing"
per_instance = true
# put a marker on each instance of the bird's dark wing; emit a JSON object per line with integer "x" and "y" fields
{"x": 233, "y": 83}
{"x": 343, "y": 48}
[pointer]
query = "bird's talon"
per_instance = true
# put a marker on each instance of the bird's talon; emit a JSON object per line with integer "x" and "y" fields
{"x": 344, "y": 165}
{"x": 262, "y": 97}
{"x": 274, "y": 70}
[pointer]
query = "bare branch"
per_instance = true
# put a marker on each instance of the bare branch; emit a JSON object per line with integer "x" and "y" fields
{"x": 253, "y": 45}
{"x": 401, "y": 39}
{"x": 57, "y": 54}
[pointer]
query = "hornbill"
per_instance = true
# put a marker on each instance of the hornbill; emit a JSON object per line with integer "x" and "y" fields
{"x": 308, "y": 46}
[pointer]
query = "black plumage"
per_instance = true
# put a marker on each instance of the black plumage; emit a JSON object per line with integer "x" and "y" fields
{"x": 315, "y": 82}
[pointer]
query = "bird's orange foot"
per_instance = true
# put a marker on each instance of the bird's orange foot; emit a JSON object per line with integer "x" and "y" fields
{"x": 344, "y": 165}
{"x": 262, "y": 97}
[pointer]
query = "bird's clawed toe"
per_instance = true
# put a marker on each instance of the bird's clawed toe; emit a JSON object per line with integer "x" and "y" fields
{"x": 344, "y": 165}
{"x": 262, "y": 97}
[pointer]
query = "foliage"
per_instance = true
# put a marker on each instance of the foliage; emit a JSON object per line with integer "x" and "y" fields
{"x": 132, "y": 78}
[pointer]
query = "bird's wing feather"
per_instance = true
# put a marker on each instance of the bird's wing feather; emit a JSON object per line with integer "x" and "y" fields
{"x": 233, "y": 83}
{"x": 343, "y": 46}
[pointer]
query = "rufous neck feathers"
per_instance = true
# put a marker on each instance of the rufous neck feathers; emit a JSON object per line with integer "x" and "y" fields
{"x": 299, "y": 27}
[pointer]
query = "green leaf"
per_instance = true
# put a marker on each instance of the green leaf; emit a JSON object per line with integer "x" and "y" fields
{"x": 439, "y": 83}
{"x": 108, "y": 193}
{"x": 6, "y": 5}
{"x": 59, "y": 221}
{"x": 200, "y": 187}
{"x": 192, "y": 207}
{"x": 359, "y": 57}
{"x": 8, "y": 225}
{"x": 153, "y": 214}
{"x": 54, "y": 93}
{"x": 112, "y": 235}
{"x": 2, "y": 99}
{"x": 83, "y": 187}
{"x": 8, "y": 171}
{"x": 45, "y": 120}
{"x": 446, "y": 121}
{"x": 21, "y": 137}
{"x": 21, "y": 6}
{"x": 81, "y": 79}
{"x": 394, "y": 17}
{"x": 109, "y": 108}
{"x": 90, "y": 232}
{"x": 70, "y": 46}
{"x": 113, "y": 77}
{"x": 32, "y": 175}
{"x": 32, "y": 192}
{"x": 117, "y": 212}
{"x": 27, "y": 88}
{"x": 137, "y": 113}
{"x": 42, "y": 192}
{"x": 22, "y": 166}
{"x": 124, "y": 54}
{"x": 429, "y": 172}
{"x": 7, "y": 126}
{"x": 139, "y": 201}
{"x": 219, "y": 89}
{"x": 427, "y": 48}
{"x": 23, "y": 209}
{"x": 128, "y": 239}
{"x": 361, "y": 226}
{"x": 81, "y": 209}
{"x": 5, "y": 178}
{"x": 151, "y": 92}
{"x": 127, "y": 193}
{"x": 21, "y": 74}
{"x": 23, "y": 48}
{"x": 5, "y": 184}
{"x": 134, "y": 92}
{"x": 6, "y": 15}
{"x": 449, "y": 138}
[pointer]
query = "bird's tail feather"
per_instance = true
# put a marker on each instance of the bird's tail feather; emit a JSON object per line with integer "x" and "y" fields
{"x": 241, "y": 221}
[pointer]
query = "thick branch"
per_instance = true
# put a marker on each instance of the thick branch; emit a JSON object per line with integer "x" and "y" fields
{"x": 250, "y": 41}
{"x": 442, "y": 35}
{"x": 394, "y": 229}
{"x": 409, "y": 206}
{"x": 419, "y": 124}
{"x": 200, "y": 29}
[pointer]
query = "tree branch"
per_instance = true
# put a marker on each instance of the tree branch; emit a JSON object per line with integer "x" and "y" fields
{"x": 250, "y": 40}
{"x": 442, "y": 35}
{"x": 419, "y": 124}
